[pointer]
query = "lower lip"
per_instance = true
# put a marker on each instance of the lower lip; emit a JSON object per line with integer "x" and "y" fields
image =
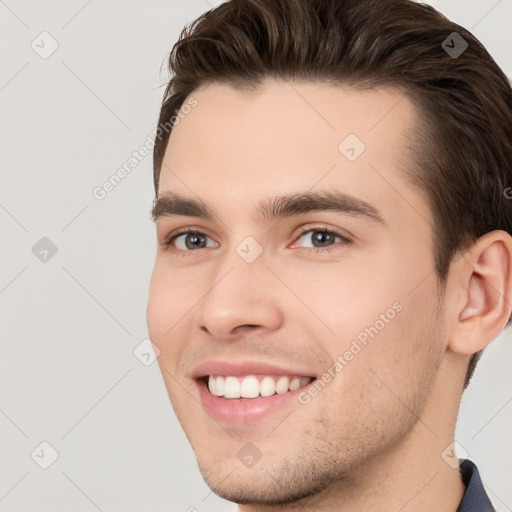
{"x": 243, "y": 411}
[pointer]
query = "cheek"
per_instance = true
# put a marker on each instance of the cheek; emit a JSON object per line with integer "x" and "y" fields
{"x": 165, "y": 298}
{"x": 379, "y": 319}
{"x": 336, "y": 292}
{"x": 170, "y": 299}
{"x": 401, "y": 357}
{"x": 356, "y": 302}
{"x": 156, "y": 303}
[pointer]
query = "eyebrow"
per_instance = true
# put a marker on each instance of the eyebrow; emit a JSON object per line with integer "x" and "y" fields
{"x": 169, "y": 204}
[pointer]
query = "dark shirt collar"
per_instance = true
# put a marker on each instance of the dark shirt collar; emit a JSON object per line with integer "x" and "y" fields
{"x": 475, "y": 498}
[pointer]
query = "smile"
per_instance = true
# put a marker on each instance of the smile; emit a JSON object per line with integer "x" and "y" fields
{"x": 253, "y": 386}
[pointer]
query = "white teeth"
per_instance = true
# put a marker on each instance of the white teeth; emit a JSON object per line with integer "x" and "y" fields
{"x": 216, "y": 385}
{"x": 251, "y": 387}
{"x": 282, "y": 385}
{"x": 219, "y": 386}
{"x": 294, "y": 383}
{"x": 211, "y": 386}
{"x": 304, "y": 381}
{"x": 267, "y": 386}
{"x": 232, "y": 387}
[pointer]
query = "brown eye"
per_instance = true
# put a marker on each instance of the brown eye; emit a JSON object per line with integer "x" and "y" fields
{"x": 189, "y": 241}
{"x": 319, "y": 238}
{"x": 194, "y": 240}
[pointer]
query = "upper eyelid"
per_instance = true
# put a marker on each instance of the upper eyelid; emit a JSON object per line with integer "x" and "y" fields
{"x": 185, "y": 231}
{"x": 336, "y": 231}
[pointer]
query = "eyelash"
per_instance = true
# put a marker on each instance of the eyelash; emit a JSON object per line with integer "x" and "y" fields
{"x": 168, "y": 242}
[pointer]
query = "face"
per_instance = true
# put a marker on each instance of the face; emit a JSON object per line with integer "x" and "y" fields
{"x": 307, "y": 268}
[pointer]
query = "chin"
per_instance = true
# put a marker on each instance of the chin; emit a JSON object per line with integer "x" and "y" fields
{"x": 266, "y": 483}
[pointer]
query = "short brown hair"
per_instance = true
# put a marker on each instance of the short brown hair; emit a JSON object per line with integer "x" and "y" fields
{"x": 463, "y": 148}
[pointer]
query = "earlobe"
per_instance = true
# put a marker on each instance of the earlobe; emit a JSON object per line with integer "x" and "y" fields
{"x": 487, "y": 281}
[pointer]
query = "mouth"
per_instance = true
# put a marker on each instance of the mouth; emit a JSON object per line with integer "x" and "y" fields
{"x": 249, "y": 400}
{"x": 253, "y": 386}
{"x": 244, "y": 393}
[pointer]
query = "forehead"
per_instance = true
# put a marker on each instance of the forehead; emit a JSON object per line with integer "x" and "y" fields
{"x": 291, "y": 137}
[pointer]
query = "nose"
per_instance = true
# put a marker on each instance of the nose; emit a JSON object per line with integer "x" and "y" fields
{"x": 242, "y": 297}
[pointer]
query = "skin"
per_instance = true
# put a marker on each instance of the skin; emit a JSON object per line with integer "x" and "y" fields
{"x": 373, "y": 438}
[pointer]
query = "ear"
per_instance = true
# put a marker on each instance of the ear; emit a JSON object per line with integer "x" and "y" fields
{"x": 484, "y": 278}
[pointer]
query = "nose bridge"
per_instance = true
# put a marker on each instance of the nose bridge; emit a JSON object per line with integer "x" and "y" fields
{"x": 240, "y": 293}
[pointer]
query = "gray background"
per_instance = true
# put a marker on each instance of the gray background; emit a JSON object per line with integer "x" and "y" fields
{"x": 70, "y": 325}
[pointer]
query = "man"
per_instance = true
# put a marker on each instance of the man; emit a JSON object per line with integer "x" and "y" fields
{"x": 333, "y": 250}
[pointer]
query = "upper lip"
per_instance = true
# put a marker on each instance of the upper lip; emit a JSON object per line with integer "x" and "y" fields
{"x": 240, "y": 368}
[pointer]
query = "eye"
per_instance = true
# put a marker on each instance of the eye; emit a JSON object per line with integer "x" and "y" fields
{"x": 188, "y": 240}
{"x": 321, "y": 238}
{"x": 317, "y": 239}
